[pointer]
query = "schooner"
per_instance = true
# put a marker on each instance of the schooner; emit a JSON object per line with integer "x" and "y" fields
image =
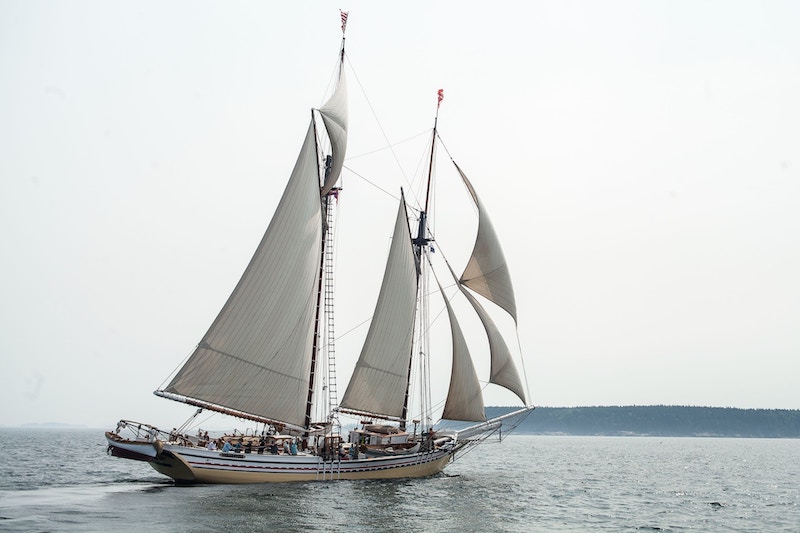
{"x": 262, "y": 356}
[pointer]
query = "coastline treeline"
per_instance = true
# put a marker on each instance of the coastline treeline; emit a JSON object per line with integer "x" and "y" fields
{"x": 659, "y": 420}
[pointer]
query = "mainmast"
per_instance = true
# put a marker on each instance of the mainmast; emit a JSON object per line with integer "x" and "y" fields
{"x": 328, "y": 197}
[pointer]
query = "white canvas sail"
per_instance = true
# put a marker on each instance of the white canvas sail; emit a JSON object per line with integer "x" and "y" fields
{"x": 255, "y": 357}
{"x": 380, "y": 378}
{"x": 464, "y": 399}
{"x": 487, "y": 272}
{"x": 503, "y": 371}
{"x": 334, "y": 115}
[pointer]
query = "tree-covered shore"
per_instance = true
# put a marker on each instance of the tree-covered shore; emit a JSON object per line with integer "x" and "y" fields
{"x": 659, "y": 420}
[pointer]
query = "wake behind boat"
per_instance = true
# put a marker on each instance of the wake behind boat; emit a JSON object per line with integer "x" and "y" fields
{"x": 269, "y": 355}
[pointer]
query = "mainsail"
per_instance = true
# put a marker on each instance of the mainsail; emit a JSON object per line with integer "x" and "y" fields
{"x": 256, "y": 356}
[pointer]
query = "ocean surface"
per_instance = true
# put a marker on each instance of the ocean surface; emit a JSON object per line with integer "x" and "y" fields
{"x": 62, "y": 480}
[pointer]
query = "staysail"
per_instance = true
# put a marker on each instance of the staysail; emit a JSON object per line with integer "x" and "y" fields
{"x": 503, "y": 372}
{"x": 487, "y": 272}
{"x": 464, "y": 399}
{"x": 379, "y": 382}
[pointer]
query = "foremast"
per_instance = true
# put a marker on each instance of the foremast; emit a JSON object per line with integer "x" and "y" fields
{"x": 486, "y": 274}
{"x": 420, "y": 243}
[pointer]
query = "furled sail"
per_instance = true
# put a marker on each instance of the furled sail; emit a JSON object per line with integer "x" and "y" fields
{"x": 379, "y": 381}
{"x": 255, "y": 357}
{"x": 334, "y": 115}
{"x": 487, "y": 272}
{"x": 464, "y": 399}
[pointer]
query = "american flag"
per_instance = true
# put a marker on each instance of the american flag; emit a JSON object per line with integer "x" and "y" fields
{"x": 441, "y": 97}
{"x": 344, "y": 19}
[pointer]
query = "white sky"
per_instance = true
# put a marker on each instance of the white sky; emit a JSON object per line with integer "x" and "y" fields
{"x": 641, "y": 161}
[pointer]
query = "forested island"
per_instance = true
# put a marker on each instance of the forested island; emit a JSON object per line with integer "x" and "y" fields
{"x": 659, "y": 420}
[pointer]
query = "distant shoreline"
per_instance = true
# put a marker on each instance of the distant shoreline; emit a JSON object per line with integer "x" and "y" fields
{"x": 634, "y": 421}
{"x": 659, "y": 421}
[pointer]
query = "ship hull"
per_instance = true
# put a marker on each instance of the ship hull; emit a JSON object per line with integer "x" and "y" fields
{"x": 137, "y": 450}
{"x": 197, "y": 465}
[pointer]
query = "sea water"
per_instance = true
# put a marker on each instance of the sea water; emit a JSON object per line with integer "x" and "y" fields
{"x": 62, "y": 480}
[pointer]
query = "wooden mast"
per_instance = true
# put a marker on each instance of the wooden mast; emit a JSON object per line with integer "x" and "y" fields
{"x": 324, "y": 204}
{"x": 422, "y": 239}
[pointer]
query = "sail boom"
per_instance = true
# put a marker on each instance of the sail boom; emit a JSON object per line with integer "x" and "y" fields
{"x": 224, "y": 410}
{"x": 367, "y": 414}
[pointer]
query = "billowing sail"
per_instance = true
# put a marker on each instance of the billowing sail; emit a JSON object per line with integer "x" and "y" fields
{"x": 503, "y": 371}
{"x": 464, "y": 398}
{"x": 379, "y": 381}
{"x": 487, "y": 272}
{"x": 256, "y": 356}
{"x": 334, "y": 115}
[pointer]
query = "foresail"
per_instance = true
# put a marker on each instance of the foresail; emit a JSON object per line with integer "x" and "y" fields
{"x": 379, "y": 381}
{"x": 487, "y": 272}
{"x": 464, "y": 398}
{"x": 255, "y": 357}
{"x": 334, "y": 115}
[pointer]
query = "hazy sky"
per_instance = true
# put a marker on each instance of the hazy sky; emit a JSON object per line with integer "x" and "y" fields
{"x": 640, "y": 159}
